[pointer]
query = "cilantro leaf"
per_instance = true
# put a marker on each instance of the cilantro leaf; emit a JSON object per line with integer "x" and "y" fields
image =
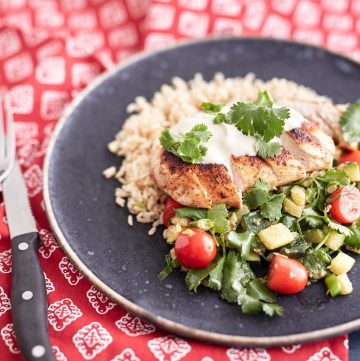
{"x": 189, "y": 146}
{"x": 316, "y": 262}
{"x": 296, "y": 249}
{"x": 216, "y": 275}
{"x": 350, "y": 122}
{"x": 211, "y": 107}
{"x": 171, "y": 264}
{"x": 312, "y": 217}
{"x": 253, "y": 222}
{"x": 336, "y": 226}
{"x": 272, "y": 209}
{"x": 169, "y": 140}
{"x": 240, "y": 285}
{"x": 258, "y": 195}
{"x": 268, "y": 150}
{"x": 334, "y": 176}
{"x": 193, "y": 213}
{"x": 261, "y": 121}
{"x": 241, "y": 242}
{"x": 259, "y": 291}
{"x": 194, "y": 277}
{"x": 219, "y": 215}
{"x": 353, "y": 241}
{"x": 220, "y": 118}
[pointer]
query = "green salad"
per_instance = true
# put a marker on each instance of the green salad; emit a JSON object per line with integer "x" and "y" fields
{"x": 281, "y": 239}
{"x": 294, "y": 222}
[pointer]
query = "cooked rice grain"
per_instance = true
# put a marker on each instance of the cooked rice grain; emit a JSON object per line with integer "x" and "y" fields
{"x": 166, "y": 108}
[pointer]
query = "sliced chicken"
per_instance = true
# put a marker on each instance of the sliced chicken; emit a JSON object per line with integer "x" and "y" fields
{"x": 286, "y": 167}
{"x": 218, "y": 184}
{"x": 314, "y": 128}
{"x": 307, "y": 149}
{"x": 177, "y": 179}
{"x": 325, "y": 113}
{"x": 193, "y": 185}
{"x": 247, "y": 169}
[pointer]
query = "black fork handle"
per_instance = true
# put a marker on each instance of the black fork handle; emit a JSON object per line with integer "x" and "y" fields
{"x": 29, "y": 299}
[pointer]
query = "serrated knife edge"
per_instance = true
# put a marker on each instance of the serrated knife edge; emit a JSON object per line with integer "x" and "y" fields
{"x": 18, "y": 211}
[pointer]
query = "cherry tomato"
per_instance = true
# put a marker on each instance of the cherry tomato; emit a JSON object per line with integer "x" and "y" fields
{"x": 169, "y": 212}
{"x": 194, "y": 248}
{"x": 352, "y": 156}
{"x": 345, "y": 205}
{"x": 287, "y": 275}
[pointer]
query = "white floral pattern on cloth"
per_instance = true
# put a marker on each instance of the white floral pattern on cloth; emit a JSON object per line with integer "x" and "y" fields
{"x": 4, "y": 302}
{"x": 49, "y": 51}
{"x": 134, "y": 326}
{"x": 62, "y": 313}
{"x": 99, "y": 301}
{"x": 169, "y": 348}
{"x": 248, "y": 354}
{"x": 91, "y": 340}
{"x": 325, "y": 354}
{"x": 8, "y": 336}
{"x": 126, "y": 355}
{"x": 5, "y": 261}
{"x": 70, "y": 272}
{"x": 48, "y": 243}
{"x": 59, "y": 355}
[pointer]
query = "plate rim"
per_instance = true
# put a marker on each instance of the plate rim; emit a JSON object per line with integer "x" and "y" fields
{"x": 129, "y": 306}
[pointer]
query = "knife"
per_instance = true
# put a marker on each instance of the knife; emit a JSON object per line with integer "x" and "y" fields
{"x": 28, "y": 290}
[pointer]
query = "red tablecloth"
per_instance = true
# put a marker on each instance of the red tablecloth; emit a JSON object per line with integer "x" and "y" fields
{"x": 51, "y": 49}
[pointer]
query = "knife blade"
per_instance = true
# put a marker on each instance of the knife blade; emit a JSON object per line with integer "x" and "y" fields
{"x": 18, "y": 211}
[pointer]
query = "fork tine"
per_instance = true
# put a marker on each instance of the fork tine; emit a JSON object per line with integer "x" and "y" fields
{"x": 10, "y": 134}
{"x": 2, "y": 134}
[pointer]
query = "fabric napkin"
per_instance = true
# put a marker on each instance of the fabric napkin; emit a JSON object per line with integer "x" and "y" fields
{"x": 49, "y": 51}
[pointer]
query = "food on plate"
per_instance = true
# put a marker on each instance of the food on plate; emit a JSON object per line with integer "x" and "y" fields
{"x": 256, "y": 183}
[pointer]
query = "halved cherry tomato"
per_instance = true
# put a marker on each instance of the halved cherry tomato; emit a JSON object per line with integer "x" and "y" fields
{"x": 194, "y": 248}
{"x": 352, "y": 156}
{"x": 169, "y": 212}
{"x": 287, "y": 275}
{"x": 345, "y": 205}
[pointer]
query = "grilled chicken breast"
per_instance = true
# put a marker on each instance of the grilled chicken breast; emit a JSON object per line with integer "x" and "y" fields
{"x": 304, "y": 149}
{"x": 286, "y": 167}
{"x": 247, "y": 169}
{"x": 307, "y": 149}
{"x": 193, "y": 185}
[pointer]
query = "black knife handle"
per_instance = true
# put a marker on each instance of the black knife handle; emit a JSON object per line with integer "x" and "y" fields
{"x": 29, "y": 299}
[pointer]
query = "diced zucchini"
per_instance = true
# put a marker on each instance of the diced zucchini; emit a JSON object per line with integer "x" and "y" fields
{"x": 346, "y": 286}
{"x": 352, "y": 170}
{"x": 172, "y": 232}
{"x": 182, "y": 221}
{"x": 253, "y": 257}
{"x": 292, "y": 208}
{"x": 334, "y": 240}
{"x": 342, "y": 263}
{"x": 298, "y": 195}
{"x": 204, "y": 224}
{"x": 314, "y": 235}
{"x": 333, "y": 285}
{"x": 275, "y": 236}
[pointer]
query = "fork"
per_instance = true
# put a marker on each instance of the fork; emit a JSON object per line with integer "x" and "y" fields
{"x": 28, "y": 290}
{"x": 7, "y": 142}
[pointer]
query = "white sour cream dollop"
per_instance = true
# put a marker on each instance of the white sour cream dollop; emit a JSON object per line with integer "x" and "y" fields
{"x": 227, "y": 140}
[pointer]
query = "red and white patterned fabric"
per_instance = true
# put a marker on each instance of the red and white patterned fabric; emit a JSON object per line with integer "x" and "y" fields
{"x": 49, "y": 50}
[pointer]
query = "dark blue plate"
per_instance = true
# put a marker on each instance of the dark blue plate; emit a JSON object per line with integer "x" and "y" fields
{"x": 123, "y": 261}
